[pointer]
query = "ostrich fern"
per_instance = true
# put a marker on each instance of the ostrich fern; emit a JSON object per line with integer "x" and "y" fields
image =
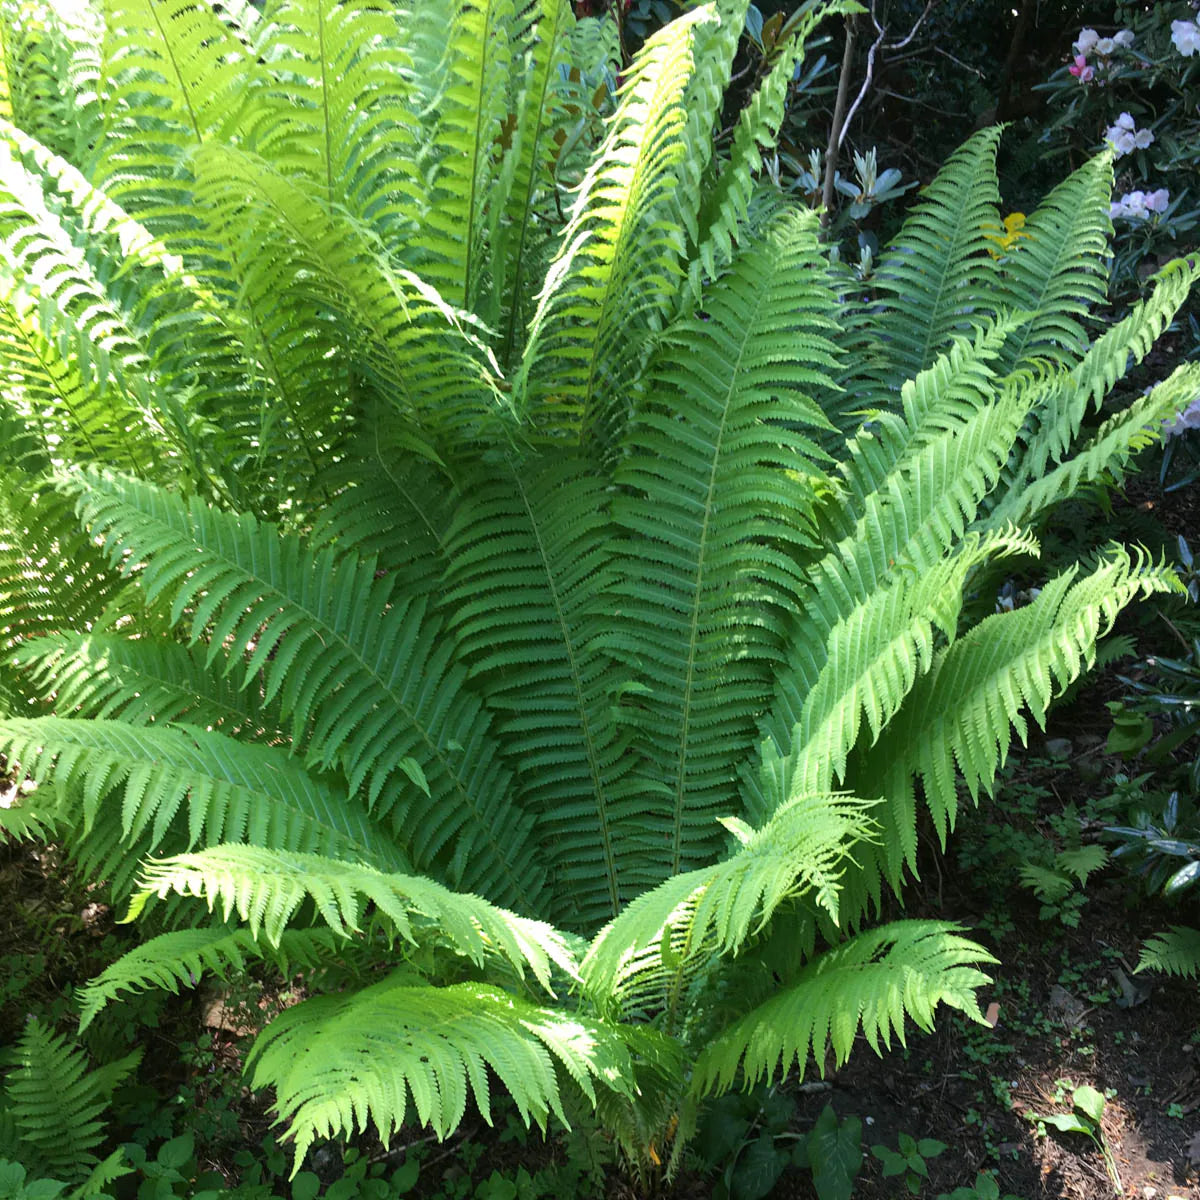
{"x": 586, "y": 653}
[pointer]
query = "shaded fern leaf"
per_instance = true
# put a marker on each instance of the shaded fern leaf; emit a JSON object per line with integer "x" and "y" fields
{"x": 182, "y": 958}
{"x": 1176, "y": 952}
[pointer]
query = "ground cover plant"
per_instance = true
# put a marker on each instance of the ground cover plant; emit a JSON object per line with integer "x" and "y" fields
{"x": 466, "y": 543}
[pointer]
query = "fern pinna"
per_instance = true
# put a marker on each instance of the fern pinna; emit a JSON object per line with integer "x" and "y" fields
{"x": 584, "y": 653}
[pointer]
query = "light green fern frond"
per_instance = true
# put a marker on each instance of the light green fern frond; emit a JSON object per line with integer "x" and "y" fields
{"x": 266, "y": 887}
{"x": 1176, "y": 952}
{"x": 615, "y": 277}
{"x": 184, "y": 957}
{"x": 875, "y": 981}
{"x": 667, "y": 934}
{"x": 339, "y": 1062}
{"x": 959, "y": 718}
{"x": 57, "y": 1102}
{"x": 1057, "y": 268}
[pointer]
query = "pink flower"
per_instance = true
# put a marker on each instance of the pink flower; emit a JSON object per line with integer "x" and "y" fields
{"x": 1081, "y": 70}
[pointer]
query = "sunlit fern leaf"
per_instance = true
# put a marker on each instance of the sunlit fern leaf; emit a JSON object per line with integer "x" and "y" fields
{"x": 959, "y": 719}
{"x": 175, "y": 77}
{"x": 528, "y": 579}
{"x": 715, "y": 502}
{"x": 141, "y": 681}
{"x": 724, "y": 205}
{"x": 615, "y": 278}
{"x": 338, "y": 1063}
{"x": 1061, "y": 413}
{"x": 1057, "y": 269}
{"x": 1176, "y": 952}
{"x": 668, "y": 933}
{"x": 266, "y": 887}
{"x": 367, "y": 678}
{"x": 57, "y": 1102}
{"x": 523, "y": 221}
{"x": 875, "y": 981}
{"x": 423, "y": 355}
{"x": 1107, "y": 453}
{"x": 182, "y": 958}
{"x": 177, "y": 783}
{"x": 930, "y": 275}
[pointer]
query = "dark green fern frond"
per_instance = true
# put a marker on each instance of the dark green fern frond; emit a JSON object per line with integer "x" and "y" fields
{"x": 715, "y": 504}
{"x": 931, "y": 274}
{"x": 874, "y": 981}
{"x": 266, "y": 887}
{"x": 141, "y": 681}
{"x": 184, "y": 957}
{"x": 57, "y": 1102}
{"x": 338, "y": 1063}
{"x": 529, "y": 575}
{"x": 367, "y": 679}
{"x": 182, "y": 785}
{"x": 1176, "y": 952}
{"x": 1057, "y": 268}
{"x": 615, "y": 277}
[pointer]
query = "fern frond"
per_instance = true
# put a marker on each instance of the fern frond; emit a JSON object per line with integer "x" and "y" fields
{"x": 1107, "y": 453}
{"x": 529, "y": 575}
{"x": 1057, "y": 269}
{"x": 266, "y": 887}
{"x": 725, "y": 203}
{"x": 678, "y": 927}
{"x": 715, "y": 502}
{"x": 930, "y": 275}
{"x": 367, "y": 680}
{"x": 958, "y": 720}
{"x": 229, "y": 790}
{"x": 1060, "y": 415}
{"x": 614, "y": 280}
{"x": 338, "y": 1063}
{"x": 875, "y": 981}
{"x": 1176, "y": 952}
{"x": 57, "y": 1101}
{"x": 140, "y": 681}
{"x": 182, "y": 958}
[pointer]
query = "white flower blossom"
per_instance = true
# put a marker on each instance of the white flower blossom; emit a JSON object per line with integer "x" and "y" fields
{"x": 1086, "y": 40}
{"x": 1137, "y": 206}
{"x": 1105, "y": 46}
{"x": 1186, "y": 36}
{"x": 1125, "y": 138}
{"x": 1123, "y": 37}
{"x": 1187, "y": 418}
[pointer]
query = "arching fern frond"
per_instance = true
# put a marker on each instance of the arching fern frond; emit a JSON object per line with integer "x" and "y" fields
{"x": 339, "y": 1062}
{"x": 227, "y": 790}
{"x": 875, "y": 981}
{"x": 959, "y": 718}
{"x": 367, "y": 680}
{"x": 667, "y": 934}
{"x": 140, "y": 681}
{"x": 1176, "y": 952}
{"x": 266, "y": 887}
{"x": 184, "y": 957}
